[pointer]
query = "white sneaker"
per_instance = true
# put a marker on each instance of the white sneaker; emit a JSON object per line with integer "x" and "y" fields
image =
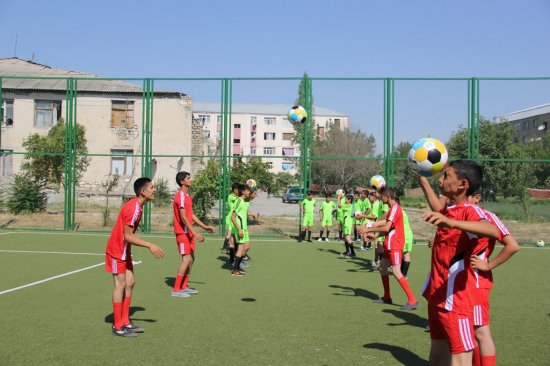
{"x": 180, "y": 294}
{"x": 320, "y": 239}
{"x": 326, "y": 239}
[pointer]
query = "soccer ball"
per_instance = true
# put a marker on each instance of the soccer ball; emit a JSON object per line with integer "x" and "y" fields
{"x": 540, "y": 243}
{"x": 251, "y": 183}
{"x": 428, "y": 157}
{"x": 377, "y": 182}
{"x": 357, "y": 213}
{"x": 339, "y": 191}
{"x": 297, "y": 115}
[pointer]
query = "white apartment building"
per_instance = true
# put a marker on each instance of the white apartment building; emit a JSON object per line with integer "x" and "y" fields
{"x": 263, "y": 130}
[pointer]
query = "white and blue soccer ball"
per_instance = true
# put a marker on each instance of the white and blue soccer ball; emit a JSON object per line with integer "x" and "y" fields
{"x": 540, "y": 243}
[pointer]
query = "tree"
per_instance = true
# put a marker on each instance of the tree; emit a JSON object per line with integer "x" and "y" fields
{"x": 404, "y": 178}
{"x": 109, "y": 185}
{"x": 256, "y": 169}
{"x": 299, "y": 128}
{"x": 345, "y": 172}
{"x": 205, "y": 190}
{"x": 26, "y": 195}
{"x": 45, "y": 161}
{"x": 283, "y": 180}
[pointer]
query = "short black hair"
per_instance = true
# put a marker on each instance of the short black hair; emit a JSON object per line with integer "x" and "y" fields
{"x": 388, "y": 191}
{"x": 469, "y": 170}
{"x": 242, "y": 188}
{"x": 140, "y": 184}
{"x": 310, "y": 193}
{"x": 235, "y": 186}
{"x": 181, "y": 176}
{"x": 328, "y": 195}
{"x": 351, "y": 197}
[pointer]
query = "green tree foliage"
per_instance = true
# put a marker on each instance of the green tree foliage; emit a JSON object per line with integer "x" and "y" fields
{"x": 163, "y": 197}
{"x": 26, "y": 195}
{"x": 109, "y": 185}
{"x": 299, "y": 129}
{"x": 205, "y": 190}
{"x": 255, "y": 169}
{"x": 45, "y": 160}
{"x": 346, "y": 173}
{"x": 283, "y": 180}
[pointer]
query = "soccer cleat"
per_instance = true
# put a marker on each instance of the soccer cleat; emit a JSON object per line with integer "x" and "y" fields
{"x": 345, "y": 254}
{"x": 237, "y": 274}
{"x": 362, "y": 249}
{"x": 180, "y": 294}
{"x": 247, "y": 258}
{"x": 326, "y": 239}
{"x": 134, "y": 328}
{"x": 320, "y": 239}
{"x": 244, "y": 264}
{"x": 383, "y": 301}
{"x": 352, "y": 255}
{"x": 191, "y": 291}
{"x": 358, "y": 240}
{"x": 409, "y": 306}
{"x": 123, "y": 332}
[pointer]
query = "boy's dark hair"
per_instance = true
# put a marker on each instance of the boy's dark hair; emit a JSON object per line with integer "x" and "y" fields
{"x": 140, "y": 184}
{"x": 181, "y": 176}
{"x": 242, "y": 188}
{"x": 388, "y": 191}
{"x": 351, "y": 197}
{"x": 235, "y": 186}
{"x": 469, "y": 170}
{"x": 310, "y": 193}
{"x": 328, "y": 195}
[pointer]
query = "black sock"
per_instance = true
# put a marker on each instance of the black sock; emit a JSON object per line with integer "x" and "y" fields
{"x": 321, "y": 234}
{"x": 339, "y": 234}
{"x": 347, "y": 248}
{"x": 309, "y": 235}
{"x": 303, "y": 235}
{"x": 237, "y": 263}
{"x": 226, "y": 243}
{"x": 231, "y": 255}
{"x": 351, "y": 248}
{"x": 355, "y": 234}
{"x": 405, "y": 268}
{"x": 328, "y": 232}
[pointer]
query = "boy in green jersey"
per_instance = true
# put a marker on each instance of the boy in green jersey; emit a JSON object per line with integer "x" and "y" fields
{"x": 347, "y": 223}
{"x": 307, "y": 208}
{"x": 229, "y": 244}
{"x": 239, "y": 218}
{"x": 325, "y": 212}
{"x": 365, "y": 208}
{"x": 408, "y": 244}
{"x": 340, "y": 215}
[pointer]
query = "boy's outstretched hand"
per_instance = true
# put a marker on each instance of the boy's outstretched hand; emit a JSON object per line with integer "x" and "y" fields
{"x": 436, "y": 219}
{"x": 156, "y": 251}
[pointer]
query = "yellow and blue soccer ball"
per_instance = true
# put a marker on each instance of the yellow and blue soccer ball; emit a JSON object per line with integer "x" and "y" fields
{"x": 297, "y": 115}
{"x": 251, "y": 183}
{"x": 377, "y": 182}
{"x": 428, "y": 156}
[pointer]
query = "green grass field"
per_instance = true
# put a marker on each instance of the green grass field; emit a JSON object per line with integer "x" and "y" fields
{"x": 300, "y": 304}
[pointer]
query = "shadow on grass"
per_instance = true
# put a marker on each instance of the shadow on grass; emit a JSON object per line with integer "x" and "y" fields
{"x": 133, "y": 309}
{"x": 171, "y": 281}
{"x": 402, "y": 355}
{"x": 355, "y": 291}
{"x": 225, "y": 262}
{"x": 361, "y": 263}
{"x": 408, "y": 318}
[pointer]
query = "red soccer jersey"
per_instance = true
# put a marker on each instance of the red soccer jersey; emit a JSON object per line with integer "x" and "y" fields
{"x": 450, "y": 285}
{"x": 130, "y": 214}
{"x": 485, "y": 247}
{"x": 182, "y": 200}
{"x": 395, "y": 239}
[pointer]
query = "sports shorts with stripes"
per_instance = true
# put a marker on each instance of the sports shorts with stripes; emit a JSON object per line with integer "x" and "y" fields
{"x": 186, "y": 244}
{"x": 456, "y": 328}
{"x": 481, "y": 308}
{"x": 394, "y": 256}
{"x": 118, "y": 266}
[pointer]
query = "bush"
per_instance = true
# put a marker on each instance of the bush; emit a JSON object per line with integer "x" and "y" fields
{"x": 26, "y": 196}
{"x": 163, "y": 196}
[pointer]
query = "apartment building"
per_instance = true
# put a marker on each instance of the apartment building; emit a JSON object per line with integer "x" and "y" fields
{"x": 263, "y": 130}
{"x": 530, "y": 124}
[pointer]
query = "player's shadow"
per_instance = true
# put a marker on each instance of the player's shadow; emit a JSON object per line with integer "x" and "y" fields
{"x": 332, "y": 251}
{"x": 402, "y": 355}
{"x": 355, "y": 291}
{"x": 133, "y": 309}
{"x": 409, "y": 318}
{"x": 225, "y": 262}
{"x": 171, "y": 281}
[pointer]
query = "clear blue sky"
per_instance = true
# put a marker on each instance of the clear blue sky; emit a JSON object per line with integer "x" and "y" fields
{"x": 344, "y": 38}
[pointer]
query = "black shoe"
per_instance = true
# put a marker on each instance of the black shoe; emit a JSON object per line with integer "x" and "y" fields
{"x": 123, "y": 332}
{"x": 383, "y": 301}
{"x": 134, "y": 328}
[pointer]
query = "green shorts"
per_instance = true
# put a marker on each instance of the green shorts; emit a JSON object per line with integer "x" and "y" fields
{"x": 408, "y": 247}
{"x": 307, "y": 221}
{"x": 244, "y": 239}
{"x": 347, "y": 227}
{"x": 228, "y": 224}
{"x": 326, "y": 222}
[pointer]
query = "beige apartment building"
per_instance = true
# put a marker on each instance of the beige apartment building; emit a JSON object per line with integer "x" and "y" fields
{"x": 263, "y": 130}
{"x": 111, "y": 112}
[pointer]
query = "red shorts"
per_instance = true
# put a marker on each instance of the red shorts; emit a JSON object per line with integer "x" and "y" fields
{"x": 118, "y": 266}
{"x": 481, "y": 308}
{"x": 395, "y": 257}
{"x": 186, "y": 244}
{"x": 457, "y": 329}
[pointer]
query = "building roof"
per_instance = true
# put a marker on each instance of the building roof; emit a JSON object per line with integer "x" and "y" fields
{"x": 525, "y": 113}
{"x": 22, "y": 69}
{"x": 264, "y": 109}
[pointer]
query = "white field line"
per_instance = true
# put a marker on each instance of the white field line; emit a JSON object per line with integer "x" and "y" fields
{"x": 6, "y": 233}
{"x": 42, "y": 252}
{"x": 50, "y": 278}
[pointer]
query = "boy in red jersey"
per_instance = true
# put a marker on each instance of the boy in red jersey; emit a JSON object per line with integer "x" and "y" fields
{"x": 118, "y": 257}
{"x": 485, "y": 354}
{"x": 184, "y": 218}
{"x": 451, "y": 287}
{"x": 393, "y": 229}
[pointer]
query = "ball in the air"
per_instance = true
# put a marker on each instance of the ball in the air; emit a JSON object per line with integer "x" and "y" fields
{"x": 540, "y": 243}
{"x": 377, "y": 182}
{"x": 339, "y": 191}
{"x": 297, "y": 114}
{"x": 251, "y": 183}
{"x": 428, "y": 156}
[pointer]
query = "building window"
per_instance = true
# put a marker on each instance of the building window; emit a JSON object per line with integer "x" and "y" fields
{"x": 288, "y": 151}
{"x": 252, "y": 151}
{"x": 269, "y": 151}
{"x": 269, "y": 164}
{"x": 269, "y": 136}
{"x": 253, "y": 120}
{"x": 122, "y": 113}
{"x": 252, "y": 135}
{"x": 286, "y": 122}
{"x": 269, "y": 120}
{"x": 219, "y": 118}
{"x": 206, "y": 134}
{"x": 525, "y": 125}
{"x": 236, "y": 141}
{"x": 46, "y": 113}
{"x": 287, "y": 136}
{"x": 123, "y": 163}
{"x": 237, "y": 125}
{"x": 337, "y": 122}
{"x": 7, "y": 112}
{"x": 204, "y": 119}
{"x": 518, "y": 126}
{"x": 6, "y": 163}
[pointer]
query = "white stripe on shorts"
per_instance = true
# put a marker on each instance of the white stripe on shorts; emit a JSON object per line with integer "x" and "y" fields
{"x": 114, "y": 265}
{"x": 478, "y": 315}
{"x": 465, "y": 334}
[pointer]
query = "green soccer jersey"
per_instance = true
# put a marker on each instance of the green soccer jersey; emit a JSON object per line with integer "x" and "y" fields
{"x": 241, "y": 208}
{"x": 309, "y": 206}
{"x": 231, "y": 199}
{"x": 327, "y": 208}
{"x": 408, "y": 230}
